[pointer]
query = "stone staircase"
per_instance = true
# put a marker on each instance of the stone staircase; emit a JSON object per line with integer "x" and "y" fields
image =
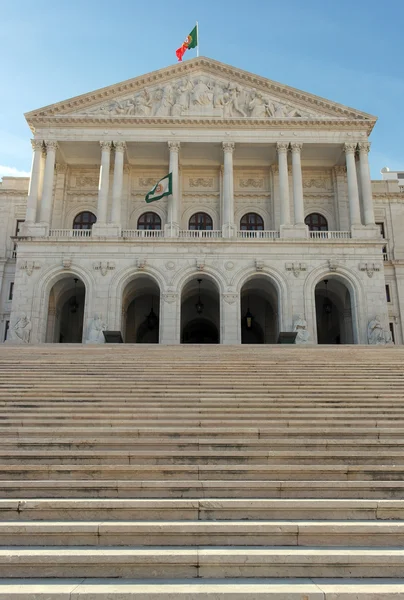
{"x": 201, "y": 472}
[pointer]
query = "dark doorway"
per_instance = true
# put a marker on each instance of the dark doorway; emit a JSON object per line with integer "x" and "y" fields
{"x": 200, "y": 331}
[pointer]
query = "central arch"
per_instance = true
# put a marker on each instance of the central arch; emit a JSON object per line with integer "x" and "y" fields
{"x": 200, "y": 311}
{"x": 259, "y": 311}
{"x": 333, "y": 312}
{"x": 141, "y": 311}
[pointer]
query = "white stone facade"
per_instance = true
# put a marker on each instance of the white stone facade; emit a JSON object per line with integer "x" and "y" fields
{"x": 235, "y": 144}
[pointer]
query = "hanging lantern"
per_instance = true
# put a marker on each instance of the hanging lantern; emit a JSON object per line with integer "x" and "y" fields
{"x": 327, "y": 305}
{"x": 199, "y": 304}
{"x": 248, "y": 317}
{"x": 74, "y": 305}
{"x": 152, "y": 319}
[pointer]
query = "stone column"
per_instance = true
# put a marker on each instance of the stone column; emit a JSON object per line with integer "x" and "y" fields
{"x": 282, "y": 148}
{"x": 103, "y": 187}
{"x": 297, "y": 183}
{"x": 301, "y": 230}
{"x": 46, "y": 203}
{"x": 172, "y": 228}
{"x": 368, "y": 212}
{"x": 117, "y": 184}
{"x": 229, "y": 228}
{"x": 32, "y": 201}
{"x": 353, "y": 194}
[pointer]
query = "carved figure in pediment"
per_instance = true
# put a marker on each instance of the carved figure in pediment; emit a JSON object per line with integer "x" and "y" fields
{"x": 141, "y": 104}
{"x": 182, "y": 97}
{"x": 163, "y": 98}
{"x": 259, "y": 106}
{"x": 234, "y": 92}
{"x": 202, "y": 93}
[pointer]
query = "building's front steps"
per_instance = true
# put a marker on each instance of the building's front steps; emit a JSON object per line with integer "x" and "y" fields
{"x": 216, "y": 472}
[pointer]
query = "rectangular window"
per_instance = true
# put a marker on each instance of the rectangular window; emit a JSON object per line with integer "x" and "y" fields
{"x": 7, "y": 327}
{"x": 392, "y": 332}
{"x": 11, "y": 290}
{"x": 381, "y": 225}
{"x": 18, "y": 226}
{"x": 388, "y": 297}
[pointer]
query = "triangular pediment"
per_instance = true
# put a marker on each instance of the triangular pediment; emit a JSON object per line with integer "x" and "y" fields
{"x": 199, "y": 88}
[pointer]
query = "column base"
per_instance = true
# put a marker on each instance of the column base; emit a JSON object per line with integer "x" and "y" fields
{"x": 300, "y": 232}
{"x": 229, "y": 230}
{"x": 367, "y": 232}
{"x": 34, "y": 229}
{"x": 171, "y": 230}
{"x": 106, "y": 230}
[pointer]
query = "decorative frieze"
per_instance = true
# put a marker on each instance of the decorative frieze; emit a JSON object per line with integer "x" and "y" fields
{"x": 369, "y": 268}
{"x": 230, "y": 298}
{"x": 29, "y": 266}
{"x": 198, "y": 182}
{"x": 257, "y": 183}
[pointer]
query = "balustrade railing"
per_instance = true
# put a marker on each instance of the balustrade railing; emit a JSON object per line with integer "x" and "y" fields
{"x": 196, "y": 234}
{"x": 142, "y": 233}
{"x": 255, "y": 235}
{"x": 330, "y": 235}
{"x": 70, "y": 233}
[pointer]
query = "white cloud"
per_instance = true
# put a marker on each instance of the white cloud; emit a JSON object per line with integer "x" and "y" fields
{"x": 12, "y": 172}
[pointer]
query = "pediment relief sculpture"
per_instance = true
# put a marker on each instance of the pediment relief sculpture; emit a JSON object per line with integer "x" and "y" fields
{"x": 201, "y": 95}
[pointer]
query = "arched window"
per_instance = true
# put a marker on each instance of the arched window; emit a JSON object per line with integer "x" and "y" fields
{"x": 84, "y": 220}
{"x": 316, "y": 222}
{"x": 200, "y": 222}
{"x": 149, "y": 220}
{"x": 251, "y": 222}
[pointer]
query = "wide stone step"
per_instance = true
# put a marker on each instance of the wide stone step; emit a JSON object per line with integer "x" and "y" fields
{"x": 207, "y": 489}
{"x": 201, "y": 457}
{"x": 203, "y": 562}
{"x": 202, "y": 589}
{"x": 200, "y": 509}
{"x": 202, "y": 533}
{"x": 291, "y": 472}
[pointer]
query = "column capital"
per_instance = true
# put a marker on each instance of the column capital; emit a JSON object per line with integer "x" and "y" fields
{"x": 282, "y": 147}
{"x": 350, "y": 147}
{"x": 119, "y": 146}
{"x": 228, "y": 147}
{"x": 296, "y": 147}
{"x": 51, "y": 145}
{"x": 174, "y": 146}
{"x": 364, "y": 147}
{"x": 37, "y": 144}
{"x": 105, "y": 145}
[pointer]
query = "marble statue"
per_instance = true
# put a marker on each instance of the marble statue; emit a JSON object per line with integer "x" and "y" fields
{"x": 182, "y": 97}
{"x": 377, "y": 334}
{"x": 21, "y": 330}
{"x": 259, "y": 106}
{"x": 95, "y": 331}
{"x": 300, "y": 326}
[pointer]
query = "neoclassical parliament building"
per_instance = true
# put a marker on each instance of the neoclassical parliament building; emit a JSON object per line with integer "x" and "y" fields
{"x": 273, "y": 224}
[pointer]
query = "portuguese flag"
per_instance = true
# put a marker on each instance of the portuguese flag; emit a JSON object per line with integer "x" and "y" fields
{"x": 191, "y": 41}
{"x": 162, "y": 188}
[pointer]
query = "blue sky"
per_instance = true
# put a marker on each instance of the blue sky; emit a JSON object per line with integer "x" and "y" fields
{"x": 346, "y": 51}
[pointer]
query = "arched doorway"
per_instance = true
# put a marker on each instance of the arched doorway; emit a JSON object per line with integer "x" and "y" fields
{"x": 66, "y": 311}
{"x": 333, "y": 312}
{"x": 200, "y": 311}
{"x": 259, "y": 311}
{"x": 141, "y": 311}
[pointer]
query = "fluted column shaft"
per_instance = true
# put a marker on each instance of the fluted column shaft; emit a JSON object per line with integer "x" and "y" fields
{"x": 353, "y": 193}
{"x": 46, "y": 202}
{"x": 282, "y": 148}
{"x": 366, "y": 183}
{"x": 117, "y": 183}
{"x": 297, "y": 183}
{"x": 228, "y": 185}
{"x": 32, "y": 201}
{"x": 103, "y": 187}
{"x": 174, "y": 199}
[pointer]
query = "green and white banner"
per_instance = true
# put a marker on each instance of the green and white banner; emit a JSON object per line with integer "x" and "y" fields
{"x": 164, "y": 187}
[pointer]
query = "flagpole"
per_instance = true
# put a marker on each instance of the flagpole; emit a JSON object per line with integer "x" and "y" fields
{"x": 197, "y": 37}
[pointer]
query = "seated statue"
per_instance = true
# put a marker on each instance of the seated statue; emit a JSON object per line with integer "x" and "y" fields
{"x": 95, "y": 331}
{"x": 21, "y": 330}
{"x": 300, "y": 326}
{"x": 377, "y": 334}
